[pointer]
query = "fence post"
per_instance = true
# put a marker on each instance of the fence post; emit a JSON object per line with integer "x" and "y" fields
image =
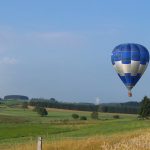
{"x": 39, "y": 143}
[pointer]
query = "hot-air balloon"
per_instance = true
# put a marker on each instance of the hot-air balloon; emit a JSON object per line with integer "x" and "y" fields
{"x": 130, "y": 62}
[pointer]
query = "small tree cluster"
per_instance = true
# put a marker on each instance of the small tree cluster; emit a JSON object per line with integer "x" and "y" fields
{"x": 76, "y": 116}
{"x": 145, "y": 108}
{"x": 41, "y": 111}
{"x": 83, "y": 118}
{"x": 116, "y": 116}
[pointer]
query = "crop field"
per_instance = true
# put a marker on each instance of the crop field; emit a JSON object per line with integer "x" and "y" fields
{"x": 139, "y": 140}
{"x": 20, "y": 128}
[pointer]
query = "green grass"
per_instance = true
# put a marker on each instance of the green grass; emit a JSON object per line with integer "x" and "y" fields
{"x": 110, "y": 127}
{"x": 12, "y": 102}
{"x": 18, "y": 125}
{"x": 28, "y": 130}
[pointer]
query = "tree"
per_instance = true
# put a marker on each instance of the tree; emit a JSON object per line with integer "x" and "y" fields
{"x": 75, "y": 116}
{"x": 83, "y": 118}
{"x": 41, "y": 111}
{"x": 104, "y": 108}
{"x": 116, "y": 116}
{"x": 53, "y": 100}
{"x": 20, "y": 97}
{"x": 25, "y": 105}
{"x": 94, "y": 115}
{"x": 145, "y": 107}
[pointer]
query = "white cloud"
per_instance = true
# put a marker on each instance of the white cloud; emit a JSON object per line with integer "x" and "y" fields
{"x": 8, "y": 61}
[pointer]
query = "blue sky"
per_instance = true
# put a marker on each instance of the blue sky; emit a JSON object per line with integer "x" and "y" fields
{"x": 62, "y": 49}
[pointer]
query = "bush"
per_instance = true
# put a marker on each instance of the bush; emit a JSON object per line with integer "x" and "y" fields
{"x": 83, "y": 118}
{"x": 41, "y": 111}
{"x": 75, "y": 116}
{"x": 94, "y": 115}
{"x": 116, "y": 116}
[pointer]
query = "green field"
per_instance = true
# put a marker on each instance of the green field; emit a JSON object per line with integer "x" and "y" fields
{"x": 18, "y": 125}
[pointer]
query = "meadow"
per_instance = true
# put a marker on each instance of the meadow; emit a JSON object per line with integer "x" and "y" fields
{"x": 19, "y": 129}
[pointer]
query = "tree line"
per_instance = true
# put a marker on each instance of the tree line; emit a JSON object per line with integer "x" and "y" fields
{"x": 142, "y": 108}
{"x": 20, "y": 97}
{"x": 128, "y": 108}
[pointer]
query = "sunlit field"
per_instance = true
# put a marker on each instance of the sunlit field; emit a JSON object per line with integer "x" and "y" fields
{"x": 20, "y": 128}
{"x": 75, "y": 73}
{"x": 139, "y": 140}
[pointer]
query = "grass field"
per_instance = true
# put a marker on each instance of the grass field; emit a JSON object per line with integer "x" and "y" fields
{"x": 19, "y": 127}
{"x": 139, "y": 140}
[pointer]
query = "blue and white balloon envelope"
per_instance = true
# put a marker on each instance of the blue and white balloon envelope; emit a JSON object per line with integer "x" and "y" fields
{"x": 130, "y": 62}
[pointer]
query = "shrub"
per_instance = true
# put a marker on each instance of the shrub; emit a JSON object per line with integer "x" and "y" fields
{"x": 83, "y": 118}
{"x": 94, "y": 115}
{"x": 41, "y": 111}
{"x": 75, "y": 116}
{"x": 116, "y": 116}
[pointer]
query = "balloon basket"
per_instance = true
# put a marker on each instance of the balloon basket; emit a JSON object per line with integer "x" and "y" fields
{"x": 129, "y": 94}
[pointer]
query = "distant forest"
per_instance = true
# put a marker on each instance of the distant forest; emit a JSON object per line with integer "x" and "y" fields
{"x": 21, "y": 97}
{"x": 128, "y": 107}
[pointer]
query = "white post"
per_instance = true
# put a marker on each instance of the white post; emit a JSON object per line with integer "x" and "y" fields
{"x": 39, "y": 143}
